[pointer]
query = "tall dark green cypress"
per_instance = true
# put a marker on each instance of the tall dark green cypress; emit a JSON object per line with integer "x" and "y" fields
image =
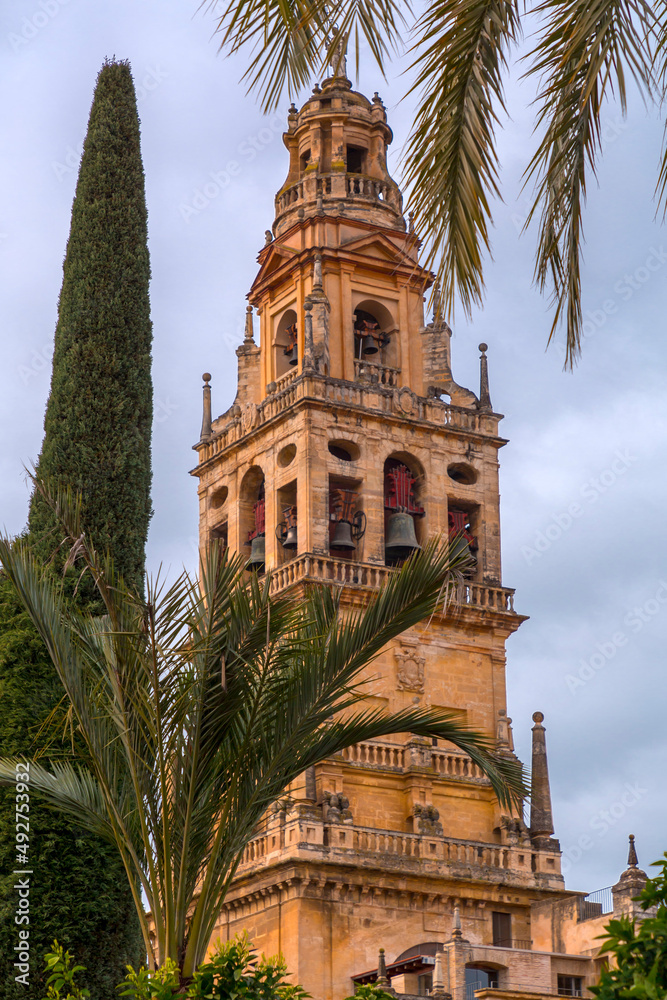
{"x": 97, "y": 439}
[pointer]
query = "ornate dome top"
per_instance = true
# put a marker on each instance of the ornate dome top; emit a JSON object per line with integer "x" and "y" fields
{"x": 338, "y": 160}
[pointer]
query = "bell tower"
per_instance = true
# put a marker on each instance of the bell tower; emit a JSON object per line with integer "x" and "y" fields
{"x": 348, "y": 445}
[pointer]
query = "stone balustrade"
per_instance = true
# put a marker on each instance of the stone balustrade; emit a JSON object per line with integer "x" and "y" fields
{"x": 381, "y": 398}
{"x": 447, "y": 763}
{"x": 340, "y": 839}
{"x": 368, "y": 371}
{"x": 327, "y": 569}
{"x": 336, "y": 185}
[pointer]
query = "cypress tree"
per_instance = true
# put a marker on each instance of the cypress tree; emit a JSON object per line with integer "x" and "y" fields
{"x": 97, "y": 439}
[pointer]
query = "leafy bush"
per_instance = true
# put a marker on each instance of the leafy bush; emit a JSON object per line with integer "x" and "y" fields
{"x": 232, "y": 973}
{"x": 640, "y": 953}
{"x": 60, "y": 984}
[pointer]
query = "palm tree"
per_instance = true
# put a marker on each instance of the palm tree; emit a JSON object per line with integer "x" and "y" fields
{"x": 197, "y": 706}
{"x": 582, "y": 53}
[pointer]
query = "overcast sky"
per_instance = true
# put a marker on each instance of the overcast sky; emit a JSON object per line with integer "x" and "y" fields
{"x": 584, "y": 476}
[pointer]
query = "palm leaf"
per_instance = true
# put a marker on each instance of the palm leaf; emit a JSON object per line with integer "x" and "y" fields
{"x": 583, "y": 58}
{"x": 451, "y": 162}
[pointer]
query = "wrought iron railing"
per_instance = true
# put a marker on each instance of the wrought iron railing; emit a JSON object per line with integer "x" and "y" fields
{"x": 596, "y": 904}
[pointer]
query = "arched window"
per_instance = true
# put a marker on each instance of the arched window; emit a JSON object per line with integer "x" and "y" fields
{"x": 403, "y": 511}
{"x": 285, "y": 344}
{"x": 375, "y": 334}
{"x": 252, "y": 516}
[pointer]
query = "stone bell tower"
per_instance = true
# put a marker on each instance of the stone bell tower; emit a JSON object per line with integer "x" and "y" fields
{"x": 349, "y": 444}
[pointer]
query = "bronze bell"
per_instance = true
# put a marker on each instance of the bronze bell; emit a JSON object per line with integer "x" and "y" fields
{"x": 290, "y": 541}
{"x": 342, "y": 538}
{"x": 368, "y": 345}
{"x": 257, "y": 552}
{"x": 293, "y": 355}
{"x": 400, "y": 541}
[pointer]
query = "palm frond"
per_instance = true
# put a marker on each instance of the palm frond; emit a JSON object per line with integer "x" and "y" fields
{"x": 451, "y": 162}
{"x": 177, "y": 768}
{"x": 583, "y": 58}
{"x": 292, "y": 42}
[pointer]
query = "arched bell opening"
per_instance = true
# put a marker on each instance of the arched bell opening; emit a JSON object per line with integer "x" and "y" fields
{"x": 252, "y": 517}
{"x": 285, "y": 344}
{"x": 462, "y": 527}
{"x": 219, "y": 535}
{"x": 347, "y": 520}
{"x": 403, "y": 511}
{"x": 375, "y": 336}
{"x": 287, "y": 530}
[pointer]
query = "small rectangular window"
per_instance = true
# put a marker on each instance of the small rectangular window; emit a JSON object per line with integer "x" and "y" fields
{"x": 570, "y": 986}
{"x": 356, "y": 160}
{"x": 502, "y": 929}
{"x": 425, "y": 984}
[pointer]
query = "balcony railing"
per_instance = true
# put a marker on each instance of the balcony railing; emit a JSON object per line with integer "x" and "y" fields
{"x": 326, "y": 569}
{"x": 596, "y": 904}
{"x": 368, "y": 371}
{"x": 341, "y": 839}
{"x": 378, "y": 398}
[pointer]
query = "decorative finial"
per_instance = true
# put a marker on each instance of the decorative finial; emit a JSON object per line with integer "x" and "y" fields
{"x": 249, "y": 337}
{"x": 293, "y": 110}
{"x": 457, "y": 933}
{"x": 382, "y": 970}
{"x": 308, "y": 344}
{"x": 317, "y": 272}
{"x": 411, "y": 222}
{"x": 319, "y": 202}
{"x": 268, "y": 237}
{"x": 484, "y": 395}
{"x": 437, "y": 303}
{"x": 438, "y": 985}
{"x": 541, "y": 820}
{"x": 206, "y": 429}
{"x": 317, "y": 89}
{"x": 632, "y": 853}
{"x": 377, "y": 99}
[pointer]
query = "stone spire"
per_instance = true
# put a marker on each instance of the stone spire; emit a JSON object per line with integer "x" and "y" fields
{"x": 382, "y": 979}
{"x": 206, "y": 418}
{"x": 541, "y": 820}
{"x": 630, "y": 884}
{"x": 484, "y": 396}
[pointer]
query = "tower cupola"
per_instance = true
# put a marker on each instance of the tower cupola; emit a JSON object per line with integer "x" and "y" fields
{"x": 338, "y": 160}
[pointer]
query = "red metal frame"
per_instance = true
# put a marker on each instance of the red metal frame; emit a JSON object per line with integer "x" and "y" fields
{"x": 259, "y": 511}
{"x": 457, "y": 520}
{"x": 399, "y": 485}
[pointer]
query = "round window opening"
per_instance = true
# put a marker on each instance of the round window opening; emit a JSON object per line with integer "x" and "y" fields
{"x": 218, "y": 497}
{"x": 286, "y": 455}
{"x": 346, "y": 451}
{"x": 462, "y": 473}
